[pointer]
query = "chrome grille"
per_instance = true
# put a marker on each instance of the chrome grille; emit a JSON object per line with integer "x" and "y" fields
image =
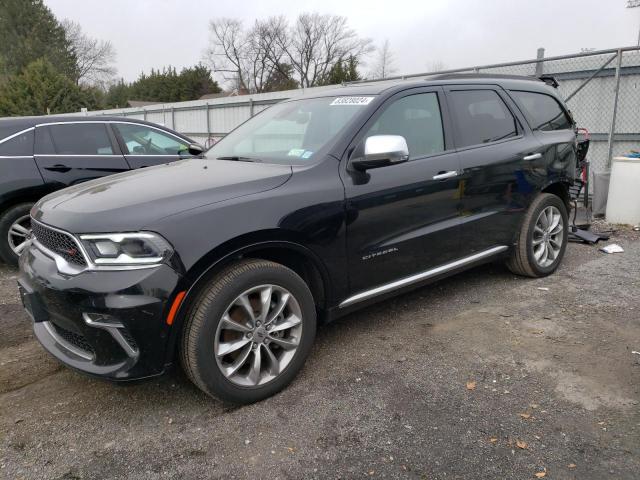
{"x": 58, "y": 242}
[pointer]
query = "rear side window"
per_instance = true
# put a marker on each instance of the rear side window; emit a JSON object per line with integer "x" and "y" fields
{"x": 76, "y": 139}
{"x": 543, "y": 112}
{"x": 417, "y": 118}
{"x": 20, "y": 145}
{"x": 482, "y": 117}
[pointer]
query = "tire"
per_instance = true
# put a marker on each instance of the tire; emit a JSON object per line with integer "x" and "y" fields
{"x": 18, "y": 214}
{"x": 206, "y": 333}
{"x": 526, "y": 258}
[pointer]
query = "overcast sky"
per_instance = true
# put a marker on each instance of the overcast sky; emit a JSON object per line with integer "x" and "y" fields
{"x": 155, "y": 33}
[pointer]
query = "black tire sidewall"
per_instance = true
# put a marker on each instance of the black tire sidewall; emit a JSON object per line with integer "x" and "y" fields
{"x": 6, "y": 220}
{"x": 547, "y": 201}
{"x": 210, "y": 375}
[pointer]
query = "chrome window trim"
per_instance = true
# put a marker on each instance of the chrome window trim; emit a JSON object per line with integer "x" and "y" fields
{"x": 396, "y": 284}
{"x": 16, "y": 134}
{"x": 16, "y": 156}
{"x": 61, "y": 341}
{"x": 110, "y": 121}
{"x": 76, "y": 155}
{"x": 67, "y": 268}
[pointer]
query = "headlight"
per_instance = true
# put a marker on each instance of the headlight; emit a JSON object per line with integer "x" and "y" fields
{"x": 140, "y": 248}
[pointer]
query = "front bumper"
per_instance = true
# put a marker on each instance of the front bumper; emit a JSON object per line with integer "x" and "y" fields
{"x": 105, "y": 323}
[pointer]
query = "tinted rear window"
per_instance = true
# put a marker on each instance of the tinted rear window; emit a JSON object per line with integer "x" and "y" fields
{"x": 543, "y": 112}
{"x": 20, "y": 145}
{"x": 80, "y": 139}
{"x": 482, "y": 117}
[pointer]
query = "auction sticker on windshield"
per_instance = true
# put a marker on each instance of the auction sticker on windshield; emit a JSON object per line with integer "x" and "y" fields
{"x": 352, "y": 101}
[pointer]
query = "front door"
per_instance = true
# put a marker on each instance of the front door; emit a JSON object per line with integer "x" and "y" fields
{"x": 70, "y": 153}
{"x": 145, "y": 146}
{"x": 403, "y": 219}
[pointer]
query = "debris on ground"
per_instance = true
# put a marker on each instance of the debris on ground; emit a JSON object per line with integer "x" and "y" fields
{"x": 612, "y": 248}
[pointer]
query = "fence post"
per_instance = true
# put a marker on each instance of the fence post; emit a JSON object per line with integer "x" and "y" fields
{"x": 251, "y": 107}
{"x": 173, "y": 118}
{"x": 208, "y": 123}
{"x": 540, "y": 65}
{"x": 612, "y": 130}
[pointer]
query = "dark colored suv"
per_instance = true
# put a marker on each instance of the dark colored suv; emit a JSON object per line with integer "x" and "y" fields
{"x": 39, "y": 155}
{"x": 315, "y": 207}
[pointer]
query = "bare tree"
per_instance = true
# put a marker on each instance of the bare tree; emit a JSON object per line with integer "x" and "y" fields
{"x": 304, "y": 52}
{"x": 384, "y": 62}
{"x": 247, "y": 58}
{"x": 317, "y": 42}
{"x": 94, "y": 58}
{"x": 228, "y": 51}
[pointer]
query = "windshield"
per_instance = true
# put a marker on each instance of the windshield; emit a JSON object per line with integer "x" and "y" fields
{"x": 289, "y": 132}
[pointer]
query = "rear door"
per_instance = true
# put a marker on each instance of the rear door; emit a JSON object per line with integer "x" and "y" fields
{"x": 553, "y": 127}
{"x": 402, "y": 220}
{"x": 494, "y": 147}
{"x": 74, "y": 152}
{"x": 144, "y": 145}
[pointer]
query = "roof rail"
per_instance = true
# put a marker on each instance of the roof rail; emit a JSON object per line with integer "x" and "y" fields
{"x": 455, "y": 76}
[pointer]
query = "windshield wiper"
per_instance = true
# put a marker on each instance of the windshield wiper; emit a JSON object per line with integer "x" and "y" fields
{"x": 238, "y": 159}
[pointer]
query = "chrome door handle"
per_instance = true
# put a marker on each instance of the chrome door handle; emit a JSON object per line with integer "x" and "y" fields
{"x": 533, "y": 156}
{"x": 445, "y": 175}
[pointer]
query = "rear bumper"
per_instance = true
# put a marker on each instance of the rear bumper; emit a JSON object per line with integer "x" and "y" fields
{"x": 108, "y": 324}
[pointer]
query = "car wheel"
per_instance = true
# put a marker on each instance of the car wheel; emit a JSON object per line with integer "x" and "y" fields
{"x": 542, "y": 239}
{"x": 15, "y": 229}
{"x": 249, "y": 332}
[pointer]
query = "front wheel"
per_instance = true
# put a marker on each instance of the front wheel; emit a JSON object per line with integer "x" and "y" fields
{"x": 249, "y": 332}
{"x": 542, "y": 239}
{"x": 15, "y": 229}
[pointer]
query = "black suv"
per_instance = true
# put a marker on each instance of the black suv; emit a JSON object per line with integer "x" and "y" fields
{"x": 39, "y": 155}
{"x": 315, "y": 207}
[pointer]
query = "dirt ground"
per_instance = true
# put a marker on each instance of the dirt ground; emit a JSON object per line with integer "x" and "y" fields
{"x": 483, "y": 375}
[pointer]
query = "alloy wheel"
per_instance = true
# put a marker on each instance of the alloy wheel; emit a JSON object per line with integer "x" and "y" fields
{"x": 548, "y": 236}
{"x": 258, "y": 335}
{"x": 19, "y": 233}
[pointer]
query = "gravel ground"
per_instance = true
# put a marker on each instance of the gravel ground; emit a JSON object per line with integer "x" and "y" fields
{"x": 483, "y": 375}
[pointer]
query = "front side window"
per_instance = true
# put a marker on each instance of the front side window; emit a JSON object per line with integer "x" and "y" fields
{"x": 482, "y": 117}
{"x": 76, "y": 139}
{"x": 19, "y": 145}
{"x": 143, "y": 140}
{"x": 417, "y": 118}
{"x": 290, "y": 132}
{"x": 543, "y": 112}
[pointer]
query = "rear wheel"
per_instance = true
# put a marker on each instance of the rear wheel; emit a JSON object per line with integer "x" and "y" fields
{"x": 542, "y": 239}
{"x": 15, "y": 229}
{"x": 249, "y": 332}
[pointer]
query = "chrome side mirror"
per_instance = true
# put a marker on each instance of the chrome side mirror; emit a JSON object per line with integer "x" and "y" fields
{"x": 380, "y": 151}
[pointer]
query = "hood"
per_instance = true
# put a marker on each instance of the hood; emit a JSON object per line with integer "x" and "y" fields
{"x": 132, "y": 200}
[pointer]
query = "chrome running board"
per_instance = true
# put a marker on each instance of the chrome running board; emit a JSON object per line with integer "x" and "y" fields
{"x": 403, "y": 282}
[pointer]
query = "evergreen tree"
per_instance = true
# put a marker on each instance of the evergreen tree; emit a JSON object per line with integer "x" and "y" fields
{"x": 29, "y": 31}
{"x": 164, "y": 85}
{"x": 281, "y": 78}
{"x": 343, "y": 71}
{"x": 40, "y": 89}
{"x": 118, "y": 94}
{"x": 196, "y": 81}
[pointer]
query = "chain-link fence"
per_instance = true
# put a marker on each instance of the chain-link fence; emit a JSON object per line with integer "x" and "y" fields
{"x": 602, "y": 89}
